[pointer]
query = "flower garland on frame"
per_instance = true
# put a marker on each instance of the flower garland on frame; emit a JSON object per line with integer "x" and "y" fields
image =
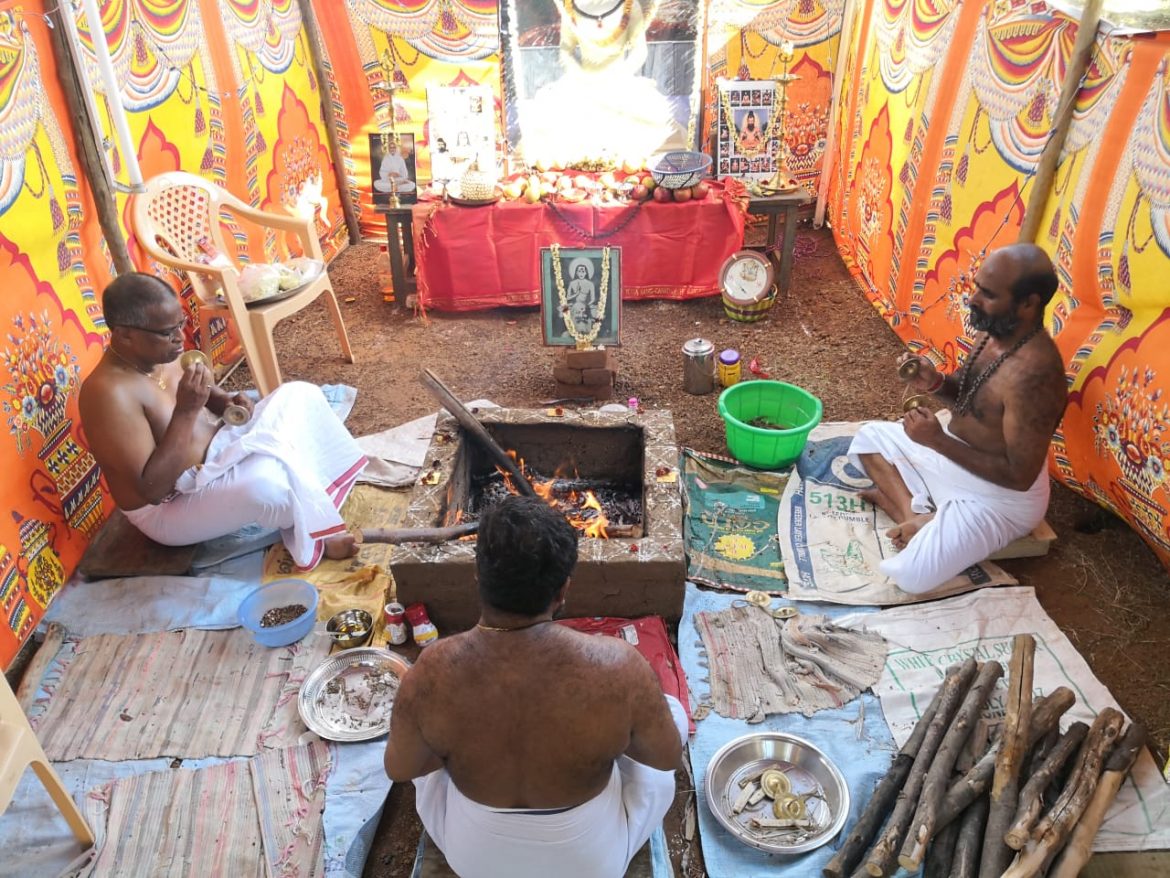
{"x": 583, "y": 339}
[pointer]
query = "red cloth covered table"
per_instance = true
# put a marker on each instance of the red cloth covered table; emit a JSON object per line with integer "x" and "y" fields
{"x": 470, "y": 258}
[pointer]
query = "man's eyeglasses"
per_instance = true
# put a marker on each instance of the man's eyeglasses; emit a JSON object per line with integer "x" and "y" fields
{"x": 177, "y": 329}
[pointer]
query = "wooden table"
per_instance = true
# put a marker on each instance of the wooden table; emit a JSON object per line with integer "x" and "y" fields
{"x": 400, "y": 246}
{"x": 774, "y": 207}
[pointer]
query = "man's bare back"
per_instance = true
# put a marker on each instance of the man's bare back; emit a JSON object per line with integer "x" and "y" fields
{"x": 535, "y": 718}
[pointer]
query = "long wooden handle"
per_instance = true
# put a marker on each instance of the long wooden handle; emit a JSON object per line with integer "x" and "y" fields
{"x": 396, "y": 535}
{"x": 469, "y": 423}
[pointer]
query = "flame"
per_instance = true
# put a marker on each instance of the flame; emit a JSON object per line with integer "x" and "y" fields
{"x": 576, "y": 507}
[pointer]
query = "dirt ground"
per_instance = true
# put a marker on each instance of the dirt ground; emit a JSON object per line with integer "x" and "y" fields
{"x": 1100, "y": 582}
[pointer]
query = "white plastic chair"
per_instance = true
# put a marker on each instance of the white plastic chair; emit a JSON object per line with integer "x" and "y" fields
{"x": 177, "y": 220}
{"x": 20, "y": 749}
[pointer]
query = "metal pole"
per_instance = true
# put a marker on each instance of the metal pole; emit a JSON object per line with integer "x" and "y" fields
{"x": 113, "y": 92}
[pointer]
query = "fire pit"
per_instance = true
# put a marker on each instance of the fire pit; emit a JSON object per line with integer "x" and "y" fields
{"x": 593, "y": 464}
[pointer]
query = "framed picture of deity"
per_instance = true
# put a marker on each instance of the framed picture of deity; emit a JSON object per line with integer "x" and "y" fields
{"x": 392, "y": 168}
{"x": 580, "y": 295}
{"x": 748, "y": 135}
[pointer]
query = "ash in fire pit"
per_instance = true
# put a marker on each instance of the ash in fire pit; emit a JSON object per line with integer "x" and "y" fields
{"x": 597, "y": 507}
{"x": 628, "y": 462}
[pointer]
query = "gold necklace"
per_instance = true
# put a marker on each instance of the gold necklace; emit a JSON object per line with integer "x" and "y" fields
{"x": 161, "y": 381}
{"x": 483, "y": 627}
{"x": 581, "y": 338}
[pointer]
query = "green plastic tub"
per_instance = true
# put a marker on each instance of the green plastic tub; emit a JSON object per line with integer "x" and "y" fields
{"x": 791, "y": 408}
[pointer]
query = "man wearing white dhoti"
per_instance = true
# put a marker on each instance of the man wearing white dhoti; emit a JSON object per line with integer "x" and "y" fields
{"x": 179, "y": 474}
{"x": 962, "y": 492}
{"x": 535, "y": 750}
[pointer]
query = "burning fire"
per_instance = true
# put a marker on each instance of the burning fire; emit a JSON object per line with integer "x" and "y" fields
{"x": 583, "y": 510}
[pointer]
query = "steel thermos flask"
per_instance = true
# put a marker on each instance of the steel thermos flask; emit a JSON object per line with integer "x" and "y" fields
{"x": 698, "y": 366}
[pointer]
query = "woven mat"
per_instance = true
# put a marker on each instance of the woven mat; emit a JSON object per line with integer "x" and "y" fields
{"x": 760, "y": 665}
{"x": 216, "y": 820}
{"x": 362, "y": 581}
{"x": 187, "y": 694}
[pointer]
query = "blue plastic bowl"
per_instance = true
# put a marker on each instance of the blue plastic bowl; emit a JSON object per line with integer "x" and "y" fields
{"x": 280, "y": 594}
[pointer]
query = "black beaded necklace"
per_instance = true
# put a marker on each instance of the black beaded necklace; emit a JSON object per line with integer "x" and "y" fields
{"x": 965, "y": 398}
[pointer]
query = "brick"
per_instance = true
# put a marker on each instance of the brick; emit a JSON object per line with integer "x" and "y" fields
{"x": 597, "y": 376}
{"x": 565, "y": 375}
{"x": 596, "y": 359}
{"x": 594, "y": 391}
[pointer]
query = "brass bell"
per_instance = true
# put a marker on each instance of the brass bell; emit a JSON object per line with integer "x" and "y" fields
{"x": 191, "y": 357}
{"x": 917, "y": 400}
{"x": 909, "y": 368}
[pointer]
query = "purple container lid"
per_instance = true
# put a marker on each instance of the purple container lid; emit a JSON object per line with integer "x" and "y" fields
{"x": 729, "y": 357}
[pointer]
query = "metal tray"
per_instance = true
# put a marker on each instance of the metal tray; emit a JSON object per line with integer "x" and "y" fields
{"x": 809, "y": 771}
{"x": 348, "y": 696}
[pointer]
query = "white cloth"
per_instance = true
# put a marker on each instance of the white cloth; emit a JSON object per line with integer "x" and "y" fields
{"x": 594, "y": 840}
{"x": 289, "y": 468}
{"x": 973, "y": 517}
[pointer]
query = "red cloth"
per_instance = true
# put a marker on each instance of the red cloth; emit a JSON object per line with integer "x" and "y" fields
{"x": 648, "y": 636}
{"x": 471, "y": 258}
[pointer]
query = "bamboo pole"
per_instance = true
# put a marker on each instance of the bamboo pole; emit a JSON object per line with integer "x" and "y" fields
{"x": 1050, "y": 158}
{"x": 1005, "y": 788}
{"x": 317, "y": 51}
{"x": 85, "y": 138}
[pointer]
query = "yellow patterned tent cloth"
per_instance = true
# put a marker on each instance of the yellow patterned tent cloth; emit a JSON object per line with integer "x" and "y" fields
{"x": 362, "y": 581}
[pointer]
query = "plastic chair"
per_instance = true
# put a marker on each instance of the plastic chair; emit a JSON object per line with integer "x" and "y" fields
{"x": 20, "y": 749}
{"x": 178, "y": 222}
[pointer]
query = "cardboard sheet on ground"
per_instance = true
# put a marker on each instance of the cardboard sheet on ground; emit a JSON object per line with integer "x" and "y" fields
{"x": 854, "y": 736}
{"x": 729, "y": 524}
{"x": 925, "y": 639}
{"x": 832, "y": 540}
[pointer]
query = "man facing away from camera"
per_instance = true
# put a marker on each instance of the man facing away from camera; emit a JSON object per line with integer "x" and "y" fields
{"x": 535, "y": 750}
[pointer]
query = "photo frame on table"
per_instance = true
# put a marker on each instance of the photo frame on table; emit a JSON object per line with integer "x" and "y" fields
{"x": 392, "y": 167}
{"x": 748, "y": 134}
{"x": 461, "y": 129}
{"x": 575, "y": 305}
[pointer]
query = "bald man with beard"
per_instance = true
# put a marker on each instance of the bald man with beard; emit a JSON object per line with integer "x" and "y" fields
{"x": 963, "y": 490}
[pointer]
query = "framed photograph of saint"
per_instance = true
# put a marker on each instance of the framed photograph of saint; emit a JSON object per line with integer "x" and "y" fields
{"x": 392, "y": 168}
{"x": 580, "y": 295}
{"x": 462, "y": 129}
{"x": 748, "y": 135}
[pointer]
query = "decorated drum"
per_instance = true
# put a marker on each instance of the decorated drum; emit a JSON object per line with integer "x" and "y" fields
{"x": 747, "y": 282}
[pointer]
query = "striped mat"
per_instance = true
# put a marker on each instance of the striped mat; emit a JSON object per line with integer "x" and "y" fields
{"x": 214, "y": 821}
{"x": 187, "y": 694}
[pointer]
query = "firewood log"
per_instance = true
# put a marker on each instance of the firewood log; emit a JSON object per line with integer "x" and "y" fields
{"x": 878, "y": 808}
{"x": 881, "y": 856}
{"x": 934, "y": 787}
{"x": 969, "y": 844}
{"x": 398, "y": 535}
{"x": 1051, "y": 833}
{"x": 1079, "y": 848}
{"x": 941, "y": 852}
{"x": 974, "y": 783}
{"x": 1031, "y": 801}
{"x": 1005, "y": 786}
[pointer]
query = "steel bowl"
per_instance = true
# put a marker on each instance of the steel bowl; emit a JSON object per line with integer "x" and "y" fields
{"x": 350, "y": 628}
{"x": 808, "y": 770}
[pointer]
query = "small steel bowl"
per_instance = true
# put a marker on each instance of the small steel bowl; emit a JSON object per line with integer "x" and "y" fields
{"x": 808, "y": 771}
{"x": 350, "y": 628}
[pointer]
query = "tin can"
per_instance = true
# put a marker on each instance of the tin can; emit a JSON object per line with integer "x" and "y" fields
{"x": 395, "y": 615}
{"x": 698, "y": 366}
{"x": 729, "y": 367}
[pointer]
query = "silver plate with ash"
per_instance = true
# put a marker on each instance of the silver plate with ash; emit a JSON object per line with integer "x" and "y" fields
{"x": 350, "y": 695}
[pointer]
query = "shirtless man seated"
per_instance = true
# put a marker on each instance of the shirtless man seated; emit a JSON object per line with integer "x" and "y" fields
{"x": 962, "y": 491}
{"x": 179, "y": 474}
{"x": 535, "y": 750}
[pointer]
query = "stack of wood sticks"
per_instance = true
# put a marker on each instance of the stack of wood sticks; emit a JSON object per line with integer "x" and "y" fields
{"x": 1030, "y": 805}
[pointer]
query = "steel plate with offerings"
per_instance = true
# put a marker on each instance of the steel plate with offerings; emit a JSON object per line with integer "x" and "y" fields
{"x": 747, "y": 281}
{"x": 350, "y": 696}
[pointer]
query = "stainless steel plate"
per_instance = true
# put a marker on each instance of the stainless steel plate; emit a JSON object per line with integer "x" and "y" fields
{"x": 809, "y": 772}
{"x": 350, "y": 695}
